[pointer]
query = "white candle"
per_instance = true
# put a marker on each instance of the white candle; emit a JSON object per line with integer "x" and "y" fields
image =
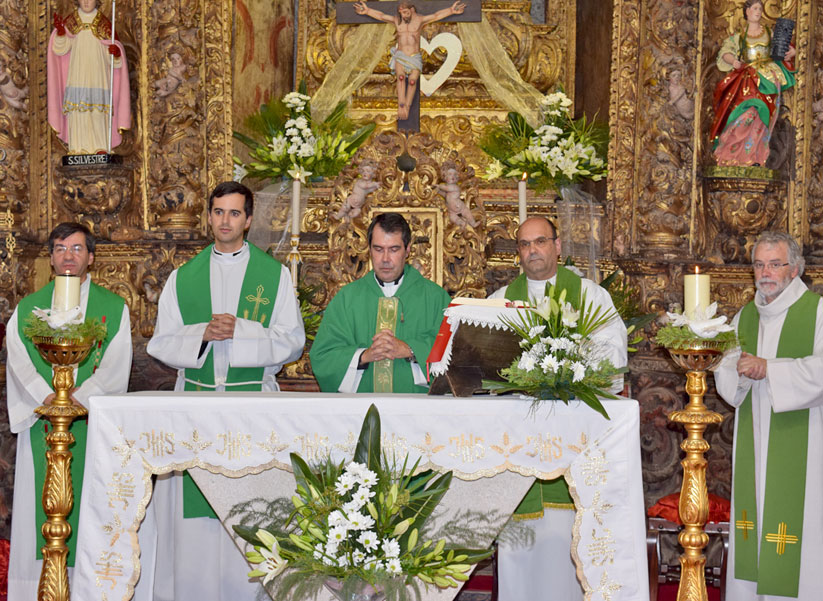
{"x": 521, "y": 199}
{"x": 295, "y": 208}
{"x": 66, "y": 292}
{"x": 696, "y": 292}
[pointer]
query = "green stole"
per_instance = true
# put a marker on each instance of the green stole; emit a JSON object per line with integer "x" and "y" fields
{"x": 255, "y": 303}
{"x": 107, "y": 307}
{"x": 387, "y": 309}
{"x": 546, "y": 493}
{"x": 777, "y": 572}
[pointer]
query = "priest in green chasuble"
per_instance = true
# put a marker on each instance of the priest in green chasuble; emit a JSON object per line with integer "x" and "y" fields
{"x": 774, "y": 382}
{"x": 377, "y": 329}
{"x": 227, "y": 320}
{"x": 545, "y": 570}
{"x": 29, "y": 384}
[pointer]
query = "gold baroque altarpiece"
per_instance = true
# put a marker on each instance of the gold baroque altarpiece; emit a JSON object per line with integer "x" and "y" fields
{"x": 659, "y": 214}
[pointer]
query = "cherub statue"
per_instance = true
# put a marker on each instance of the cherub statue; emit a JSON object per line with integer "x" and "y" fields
{"x": 459, "y": 213}
{"x": 174, "y": 76}
{"x": 14, "y": 96}
{"x": 363, "y": 186}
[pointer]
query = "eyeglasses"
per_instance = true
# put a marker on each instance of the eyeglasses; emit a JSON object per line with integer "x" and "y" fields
{"x": 772, "y": 265}
{"x": 74, "y": 249}
{"x": 540, "y": 242}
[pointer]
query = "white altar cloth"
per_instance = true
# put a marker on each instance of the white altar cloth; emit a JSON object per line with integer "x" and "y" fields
{"x": 136, "y": 435}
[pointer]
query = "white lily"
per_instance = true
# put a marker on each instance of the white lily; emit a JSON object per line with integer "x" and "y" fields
{"x": 273, "y": 563}
{"x": 298, "y": 173}
{"x": 703, "y": 323}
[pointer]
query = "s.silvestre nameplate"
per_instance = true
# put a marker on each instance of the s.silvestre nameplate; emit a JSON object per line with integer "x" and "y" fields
{"x": 91, "y": 159}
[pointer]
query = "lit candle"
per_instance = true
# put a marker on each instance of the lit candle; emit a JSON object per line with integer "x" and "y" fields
{"x": 66, "y": 292}
{"x": 696, "y": 292}
{"x": 521, "y": 198}
{"x": 295, "y": 208}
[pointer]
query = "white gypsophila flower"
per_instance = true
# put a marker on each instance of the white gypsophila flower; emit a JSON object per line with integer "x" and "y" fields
{"x": 305, "y": 150}
{"x": 579, "y": 371}
{"x": 344, "y": 484}
{"x": 391, "y": 548}
{"x": 367, "y": 478}
{"x": 336, "y": 518}
{"x": 527, "y": 362}
{"x": 393, "y": 566}
{"x": 363, "y": 494}
{"x": 318, "y": 551}
{"x": 536, "y": 330}
{"x": 337, "y": 534}
{"x": 549, "y": 364}
{"x": 352, "y": 506}
{"x": 360, "y": 521}
{"x": 368, "y": 539}
{"x": 295, "y": 100}
{"x": 331, "y": 547}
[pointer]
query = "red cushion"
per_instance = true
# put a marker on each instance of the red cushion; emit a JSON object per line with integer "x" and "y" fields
{"x": 666, "y": 508}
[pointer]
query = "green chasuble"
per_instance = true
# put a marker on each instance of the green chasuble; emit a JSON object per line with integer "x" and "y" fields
{"x": 108, "y": 308}
{"x": 257, "y": 296}
{"x": 350, "y": 321}
{"x": 546, "y": 493}
{"x": 773, "y": 560}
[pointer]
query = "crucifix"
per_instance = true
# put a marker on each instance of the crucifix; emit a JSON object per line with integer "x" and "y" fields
{"x": 407, "y": 61}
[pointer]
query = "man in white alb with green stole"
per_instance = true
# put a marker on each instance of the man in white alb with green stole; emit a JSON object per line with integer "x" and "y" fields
{"x": 375, "y": 328}
{"x": 775, "y": 382}
{"x": 29, "y": 384}
{"x": 545, "y": 569}
{"x": 227, "y": 320}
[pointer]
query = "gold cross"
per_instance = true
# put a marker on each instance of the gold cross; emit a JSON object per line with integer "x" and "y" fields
{"x": 744, "y": 525}
{"x": 781, "y": 538}
{"x": 257, "y": 300}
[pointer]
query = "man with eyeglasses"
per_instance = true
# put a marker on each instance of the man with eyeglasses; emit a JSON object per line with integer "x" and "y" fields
{"x": 29, "y": 384}
{"x": 775, "y": 383}
{"x": 545, "y": 569}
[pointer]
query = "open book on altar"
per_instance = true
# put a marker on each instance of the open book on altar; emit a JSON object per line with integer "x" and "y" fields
{"x": 473, "y": 344}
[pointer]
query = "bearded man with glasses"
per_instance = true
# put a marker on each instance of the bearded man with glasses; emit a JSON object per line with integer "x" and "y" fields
{"x": 774, "y": 382}
{"x": 546, "y": 570}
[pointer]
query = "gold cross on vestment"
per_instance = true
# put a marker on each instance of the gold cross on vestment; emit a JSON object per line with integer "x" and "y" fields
{"x": 744, "y": 525}
{"x": 257, "y": 300}
{"x": 781, "y": 538}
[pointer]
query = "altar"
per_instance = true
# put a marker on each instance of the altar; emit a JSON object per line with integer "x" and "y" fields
{"x": 483, "y": 440}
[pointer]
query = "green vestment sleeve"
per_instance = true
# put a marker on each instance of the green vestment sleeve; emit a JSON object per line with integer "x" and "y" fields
{"x": 349, "y": 324}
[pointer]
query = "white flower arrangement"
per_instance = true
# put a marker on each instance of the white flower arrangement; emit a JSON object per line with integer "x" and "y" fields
{"x": 359, "y": 523}
{"x": 560, "y": 152}
{"x": 287, "y": 141}
{"x": 559, "y": 359}
{"x": 701, "y": 330}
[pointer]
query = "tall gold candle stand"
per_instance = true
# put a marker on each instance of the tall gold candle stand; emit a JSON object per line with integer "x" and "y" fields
{"x": 63, "y": 355}
{"x": 694, "y": 497}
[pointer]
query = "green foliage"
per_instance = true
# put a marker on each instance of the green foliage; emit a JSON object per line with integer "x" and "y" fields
{"x": 683, "y": 338}
{"x": 279, "y": 148}
{"x": 311, "y": 318}
{"x": 90, "y": 330}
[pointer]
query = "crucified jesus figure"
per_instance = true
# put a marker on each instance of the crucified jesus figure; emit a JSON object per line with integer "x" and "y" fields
{"x": 406, "y": 61}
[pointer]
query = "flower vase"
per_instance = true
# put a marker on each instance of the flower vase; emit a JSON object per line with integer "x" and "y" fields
{"x": 577, "y": 208}
{"x": 354, "y": 590}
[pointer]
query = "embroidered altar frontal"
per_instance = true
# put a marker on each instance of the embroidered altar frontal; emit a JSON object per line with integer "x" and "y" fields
{"x": 134, "y": 436}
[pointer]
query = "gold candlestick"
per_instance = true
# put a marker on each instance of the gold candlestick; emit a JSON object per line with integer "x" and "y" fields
{"x": 693, "y": 507}
{"x": 58, "y": 491}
